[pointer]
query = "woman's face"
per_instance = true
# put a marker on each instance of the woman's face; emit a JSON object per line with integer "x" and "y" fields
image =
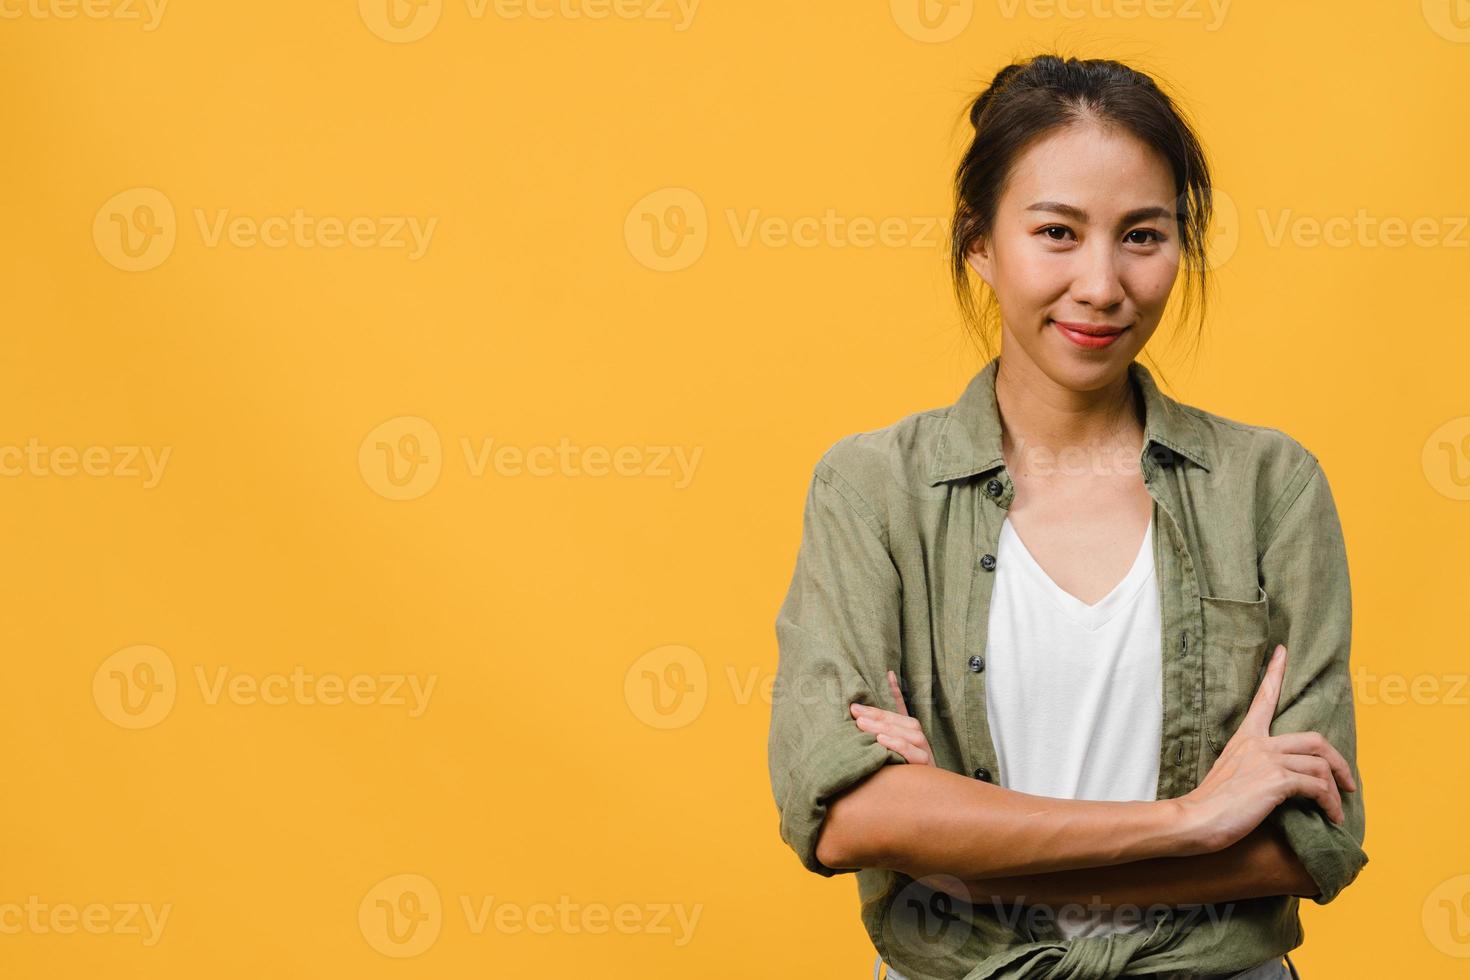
{"x": 1085, "y": 236}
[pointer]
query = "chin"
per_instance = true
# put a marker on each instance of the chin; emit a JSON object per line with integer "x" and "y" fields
{"x": 1083, "y": 370}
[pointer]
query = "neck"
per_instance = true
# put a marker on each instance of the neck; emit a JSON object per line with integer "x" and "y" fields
{"x": 1043, "y": 422}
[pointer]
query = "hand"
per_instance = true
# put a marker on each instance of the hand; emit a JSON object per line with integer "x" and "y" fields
{"x": 1257, "y": 771}
{"x": 895, "y": 729}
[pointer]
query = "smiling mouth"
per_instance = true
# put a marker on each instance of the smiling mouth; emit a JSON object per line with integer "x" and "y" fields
{"x": 1090, "y": 329}
{"x": 1089, "y": 336}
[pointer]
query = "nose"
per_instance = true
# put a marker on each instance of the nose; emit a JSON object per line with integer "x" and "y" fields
{"x": 1097, "y": 282}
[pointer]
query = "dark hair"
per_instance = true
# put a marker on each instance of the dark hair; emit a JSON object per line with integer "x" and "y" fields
{"x": 1031, "y": 98}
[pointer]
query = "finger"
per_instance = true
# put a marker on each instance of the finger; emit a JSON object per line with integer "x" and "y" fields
{"x": 1258, "y": 716}
{"x": 1319, "y": 769}
{"x": 910, "y": 752}
{"x": 1315, "y": 789}
{"x": 894, "y": 724}
{"x": 897, "y": 694}
{"x": 1314, "y": 743}
{"x": 893, "y": 718}
{"x": 896, "y": 730}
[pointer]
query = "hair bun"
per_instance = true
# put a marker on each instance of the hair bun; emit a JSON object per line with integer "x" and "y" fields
{"x": 996, "y": 83}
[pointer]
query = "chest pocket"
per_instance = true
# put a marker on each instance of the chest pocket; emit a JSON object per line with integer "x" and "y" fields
{"x": 1235, "y": 658}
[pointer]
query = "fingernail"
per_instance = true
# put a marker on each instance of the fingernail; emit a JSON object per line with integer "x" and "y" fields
{"x": 1280, "y": 651}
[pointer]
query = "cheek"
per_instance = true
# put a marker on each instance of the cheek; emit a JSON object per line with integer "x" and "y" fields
{"x": 1151, "y": 282}
{"x": 1028, "y": 277}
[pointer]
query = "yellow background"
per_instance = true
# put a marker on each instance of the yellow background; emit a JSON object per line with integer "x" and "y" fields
{"x": 544, "y": 770}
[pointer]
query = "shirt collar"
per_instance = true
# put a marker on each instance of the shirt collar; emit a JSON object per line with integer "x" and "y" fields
{"x": 969, "y": 442}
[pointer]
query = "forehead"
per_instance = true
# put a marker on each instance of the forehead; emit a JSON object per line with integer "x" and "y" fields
{"x": 1104, "y": 170}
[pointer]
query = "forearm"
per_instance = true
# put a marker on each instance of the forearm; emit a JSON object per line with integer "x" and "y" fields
{"x": 923, "y": 820}
{"x": 1257, "y": 865}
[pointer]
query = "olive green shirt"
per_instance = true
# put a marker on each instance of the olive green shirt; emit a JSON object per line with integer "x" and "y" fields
{"x": 895, "y": 571}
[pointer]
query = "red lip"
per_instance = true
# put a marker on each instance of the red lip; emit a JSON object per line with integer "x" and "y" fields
{"x": 1089, "y": 336}
{"x": 1091, "y": 329}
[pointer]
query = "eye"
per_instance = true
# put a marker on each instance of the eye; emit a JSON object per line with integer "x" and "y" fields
{"x": 1157, "y": 237}
{"x": 1050, "y": 228}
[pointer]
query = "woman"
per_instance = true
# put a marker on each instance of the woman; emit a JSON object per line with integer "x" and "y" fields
{"x": 1106, "y": 764}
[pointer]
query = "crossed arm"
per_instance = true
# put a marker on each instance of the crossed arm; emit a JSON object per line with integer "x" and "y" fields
{"x": 983, "y": 843}
{"x": 1257, "y": 865}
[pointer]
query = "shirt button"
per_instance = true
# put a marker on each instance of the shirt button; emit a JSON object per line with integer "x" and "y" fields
{"x": 982, "y": 774}
{"x": 994, "y": 488}
{"x": 977, "y": 664}
{"x": 987, "y": 562}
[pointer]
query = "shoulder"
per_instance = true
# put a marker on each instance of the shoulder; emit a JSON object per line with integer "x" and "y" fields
{"x": 877, "y": 470}
{"x": 1263, "y": 463}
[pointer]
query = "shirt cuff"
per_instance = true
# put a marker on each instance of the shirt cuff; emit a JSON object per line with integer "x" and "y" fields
{"x": 834, "y": 765}
{"x": 1329, "y": 852}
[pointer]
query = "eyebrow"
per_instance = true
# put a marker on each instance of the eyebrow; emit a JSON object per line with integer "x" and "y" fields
{"x": 1077, "y": 214}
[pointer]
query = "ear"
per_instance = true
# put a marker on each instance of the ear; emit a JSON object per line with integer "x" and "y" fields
{"x": 979, "y": 258}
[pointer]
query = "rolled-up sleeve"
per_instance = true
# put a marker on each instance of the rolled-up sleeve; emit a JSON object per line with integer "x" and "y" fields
{"x": 838, "y": 634}
{"x": 1305, "y": 574}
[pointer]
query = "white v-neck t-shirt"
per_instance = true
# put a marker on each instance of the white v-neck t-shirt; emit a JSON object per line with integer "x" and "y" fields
{"x": 1074, "y": 691}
